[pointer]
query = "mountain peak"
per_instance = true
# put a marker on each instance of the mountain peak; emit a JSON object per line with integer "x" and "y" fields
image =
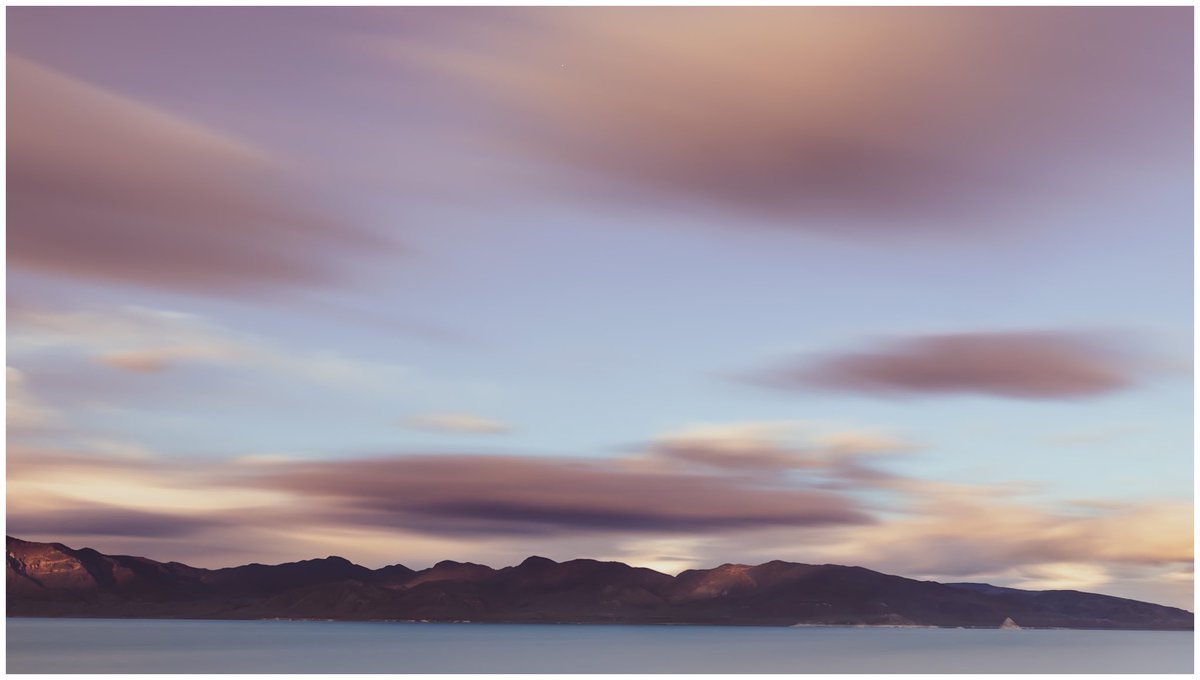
{"x": 537, "y": 561}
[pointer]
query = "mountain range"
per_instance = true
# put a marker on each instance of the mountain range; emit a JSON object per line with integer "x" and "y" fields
{"x": 53, "y": 580}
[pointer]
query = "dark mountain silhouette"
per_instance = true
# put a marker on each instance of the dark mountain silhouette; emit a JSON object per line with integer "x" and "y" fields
{"x": 50, "y": 579}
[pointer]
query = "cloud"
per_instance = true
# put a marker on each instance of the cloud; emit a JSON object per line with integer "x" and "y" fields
{"x": 139, "y": 362}
{"x": 457, "y": 422}
{"x": 47, "y": 478}
{"x": 129, "y": 339}
{"x": 773, "y": 446}
{"x": 439, "y": 495}
{"x": 960, "y": 530}
{"x": 103, "y": 187}
{"x": 138, "y": 339}
{"x": 101, "y": 520}
{"x": 148, "y": 341}
{"x": 1063, "y": 576}
{"x": 473, "y": 494}
{"x": 24, "y": 412}
{"x": 876, "y": 119}
{"x": 1025, "y": 365}
{"x": 502, "y": 507}
{"x": 863, "y": 442}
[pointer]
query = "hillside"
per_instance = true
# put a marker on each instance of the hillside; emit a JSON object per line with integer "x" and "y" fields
{"x": 51, "y": 579}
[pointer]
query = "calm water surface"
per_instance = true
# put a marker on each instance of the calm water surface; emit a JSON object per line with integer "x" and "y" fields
{"x": 139, "y": 646}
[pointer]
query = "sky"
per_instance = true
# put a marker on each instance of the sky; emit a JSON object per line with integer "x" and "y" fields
{"x": 905, "y": 288}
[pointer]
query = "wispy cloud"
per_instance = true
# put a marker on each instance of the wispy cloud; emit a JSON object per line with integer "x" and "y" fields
{"x": 105, "y": 187}
{"x": 469, "y": 495}
{"x": 862, "y": 120}
{"x": 465, "y": 423}
{"x": 24, "y": 412}
{"x": 100, "y": 521}
{"x": 148, "y": 340}
{"x": 694, "y": 513}
{"x": 773, "y": 446}
{"x": 1013, "y": 364}
{"x": 959, "y": 530}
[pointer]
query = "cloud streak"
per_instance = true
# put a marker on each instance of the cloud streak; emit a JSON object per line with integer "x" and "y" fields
{"x": 464, "y": 423}
{"x": 772, "y": 447}
{"x": 476, "y": 507}
{"x": 143, "y": 340}
{"x": 871, "y": 119}
{"x": 107, "y": 521}
{"x": 471, "y": 494}
{"x": 1018, "y": 365}
{"x": 23, "y": 411}
{"x": 959, "y": 530}
{"x": 103, "y": 187}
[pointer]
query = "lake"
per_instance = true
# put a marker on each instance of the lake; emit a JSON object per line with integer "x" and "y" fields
{"x": 143, "y": 646}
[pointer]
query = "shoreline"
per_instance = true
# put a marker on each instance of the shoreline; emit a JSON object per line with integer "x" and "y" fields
{"x": 861, "y": 626}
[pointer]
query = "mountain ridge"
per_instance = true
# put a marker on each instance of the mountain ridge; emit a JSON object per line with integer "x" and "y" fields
{"x": 51, "y": 579}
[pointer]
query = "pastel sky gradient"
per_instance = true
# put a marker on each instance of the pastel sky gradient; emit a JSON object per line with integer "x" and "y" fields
{"x": 907, "y": 288}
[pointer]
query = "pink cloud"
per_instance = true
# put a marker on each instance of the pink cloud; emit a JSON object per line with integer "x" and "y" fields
{"x": 876, "y": 118}
{"x": 1029, "y": 365}
{"x": 480, "y": 506}
{"x": 473, "y": 494}
{"x": 102, "y": 186}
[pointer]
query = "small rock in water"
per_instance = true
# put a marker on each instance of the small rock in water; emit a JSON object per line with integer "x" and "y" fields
{"x": 1009, "y": 624}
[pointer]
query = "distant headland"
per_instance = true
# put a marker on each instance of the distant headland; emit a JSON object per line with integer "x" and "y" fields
{"x": 53, "y": 580}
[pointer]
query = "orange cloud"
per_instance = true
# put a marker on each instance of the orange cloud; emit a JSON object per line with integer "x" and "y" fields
{"x": 773, "y": 446}
{"x": 959, "y": 530}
